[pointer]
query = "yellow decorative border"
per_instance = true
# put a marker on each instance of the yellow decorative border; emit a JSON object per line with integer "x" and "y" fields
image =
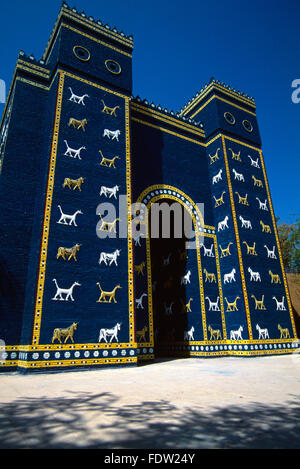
{"x": 75, "y": 362}
{"x": 134, "y": 119}
{"x": 203, "y": 144}
{"x": 129, "y": 237}
{"x": 34, "y": 72}
{"x": 218, "y": 87}
{"x": 44, "y": 71}
{"x": 64, "y": 25}
{"x": 95, "y": 85}
{"x": 224, "y": 101}
{"x": 47, "y": 214}
{"x": 135, "y": 360}
{"x": 87, "y": 23}
{"x": 98, "y": 28}
{"x": 278, "y": 243}
{"x": 32, "y": 83}
{"x": 167, "y": 187}
{"x": 168, "y": 119}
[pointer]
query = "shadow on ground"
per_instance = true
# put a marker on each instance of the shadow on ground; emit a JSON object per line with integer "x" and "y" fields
{"x": 96, "y": 421}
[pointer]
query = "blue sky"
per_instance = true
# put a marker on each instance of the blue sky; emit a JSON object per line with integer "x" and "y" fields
{"x": 179, "y": 45}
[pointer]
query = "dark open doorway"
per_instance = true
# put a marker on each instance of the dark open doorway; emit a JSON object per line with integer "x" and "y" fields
{"x": 168, "y": 267}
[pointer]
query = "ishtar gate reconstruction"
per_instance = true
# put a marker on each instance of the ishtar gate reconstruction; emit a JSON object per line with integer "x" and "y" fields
{"x": 83, "y": 166}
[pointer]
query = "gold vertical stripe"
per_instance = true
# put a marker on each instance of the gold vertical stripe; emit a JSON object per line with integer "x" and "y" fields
{"x": 278, "y": 243}
{"x": 47, "y": 215}
{"x": 129, "y": 235}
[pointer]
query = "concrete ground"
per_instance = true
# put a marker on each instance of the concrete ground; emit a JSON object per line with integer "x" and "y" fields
{"x": 179, "y": 404}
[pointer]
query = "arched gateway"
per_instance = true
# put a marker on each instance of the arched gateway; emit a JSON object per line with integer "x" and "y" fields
{"x": 176, "y": 310}
{"x": 78, "y": 287}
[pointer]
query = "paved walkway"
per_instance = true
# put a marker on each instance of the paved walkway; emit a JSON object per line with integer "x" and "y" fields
{"x": 179, "y": 404}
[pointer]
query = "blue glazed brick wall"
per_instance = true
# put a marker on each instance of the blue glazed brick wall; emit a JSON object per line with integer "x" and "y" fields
{"x": 238, "y": 129}
{"x": 250, "y": 167}
{"x": 95, "y": 67}
{"x": 170, "y": 160}
{"x": 91, "y": 315}
{"x": 38, "y": 217}
{"x": 18, "y": 185}
{"x": 223, "y": 221}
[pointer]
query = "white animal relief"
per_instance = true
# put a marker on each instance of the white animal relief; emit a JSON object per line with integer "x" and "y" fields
{"x": 213, "y": 305}
{"x": 208, "y": 252}
{"x": 113, "y": 134}
{"x": 217, "y": 177}
{"x": 77, "y": 99}
{"x": 68, "y": 292}
{"x": 262, "y": 205}
{"x": 230, "y": 277}
{"x": 279, "y": 304}
{"x": 109, "y": 191}
{"x": 237, "y": 335}
{"x": 238, "y": 176}
{"x": 110, "y": 257}
{"x": 254, "y": 162}
{"x": 72, "y": 152}
{"x": 186, "y": 278}
{"x": 223, "y": 224}
{"x": 262, "y": 333}
{"x": 245, "y": 223}
{"x": 189, "y": 335}
{"x": 139, "y": 301}
{"x": 110, "y": 333}
{"x": 254, "y": 276}
{"x": 68, "y": 219}
{"x": 271, "y": 253}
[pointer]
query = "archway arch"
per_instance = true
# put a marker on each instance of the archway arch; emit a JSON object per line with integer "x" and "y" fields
{"x": 159, "y": 193}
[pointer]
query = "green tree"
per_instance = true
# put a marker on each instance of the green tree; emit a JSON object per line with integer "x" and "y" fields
{"x": 289, "y": 238}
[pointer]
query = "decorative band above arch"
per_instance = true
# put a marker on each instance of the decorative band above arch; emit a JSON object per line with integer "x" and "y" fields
{"x": 162, "y": 191}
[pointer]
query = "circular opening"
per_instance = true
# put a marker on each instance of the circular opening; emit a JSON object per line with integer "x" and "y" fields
{"x": 113, "y": 67}
{"x": 229, "y": 118}
{"x": 247, "y": 126}
{"x": 81, "y": 53}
